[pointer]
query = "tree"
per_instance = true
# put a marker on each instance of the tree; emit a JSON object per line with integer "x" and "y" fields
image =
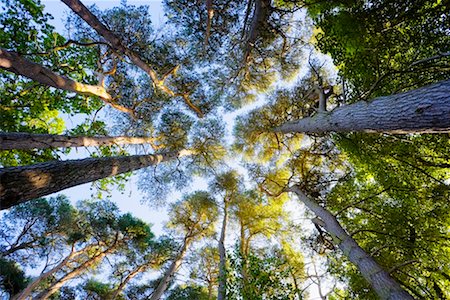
{"x": 395, "y": 177}
{"x": 13, "y": 279}
{"x": 424, "y": 110}
{"x": 380, "y": 280}
{"x": 100, "y": 230}
{"x": 117, "y": 45}
{"x": 204, "y": 268}
{"x": 144, "y": 257}
{"x": 267, "y": 276}
{"x": 194, "y": 218}
{"x": 14, "y": 63}
{"x": 46, "y": 178}
{"x": 227, "y": 182}
{"x": 381, "y": 196}
{"x": 22, "y": 140}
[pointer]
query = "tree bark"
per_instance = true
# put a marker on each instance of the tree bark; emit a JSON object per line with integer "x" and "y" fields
{"x": 221, "y": 293}
{"x": 20, "y": 184}
{"x": 170, "y": 273}
{"x": 382, "y": 283}
{"x": 24, "y": 141}
{"x": 423, "y": 110}
{"x": 45, "y": 294}
{"x": 83, "y": 12}
{"x": 261, "y": 13}
{"x": 210, "y": 13}
{"x": 36, "y": 282}
{"x": 13, "y": 62}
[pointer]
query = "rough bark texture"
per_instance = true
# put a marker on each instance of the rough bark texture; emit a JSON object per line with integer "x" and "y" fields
{"x": 380, "y": 280}
{"x": 424, "y": 110}
{"x": 221, "y": 293}
{"x": 170, "y": 273}
{"x": 20, "y": 184}
{"x": 13, "y": 62}
{"x": 23, "y": 140}
{"x": 83, "y": 12}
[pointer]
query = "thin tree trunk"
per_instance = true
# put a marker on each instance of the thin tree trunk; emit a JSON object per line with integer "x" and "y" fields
{"x": 36, "y": 282}
{"x": 170, "y": 273}
{"x": 83, "y": 12}
{"x": 24, "y": 140}
{"x": 423, "y": 110}
{"x": 130, "y": 276}
{"x": 221, "y": 293}
{"x": 210, "y": 12}
{"x": 13, "y": 62}
{"x": 20, "y": 184}
{"x": 45, "y": 294}
{"x": 382, "y": 283}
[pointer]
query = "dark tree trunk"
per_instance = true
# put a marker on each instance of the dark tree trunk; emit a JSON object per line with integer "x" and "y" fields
{"x": 381, "y": 281}
{"x": 424, "y": 110}
{"x": 20, "y": 184}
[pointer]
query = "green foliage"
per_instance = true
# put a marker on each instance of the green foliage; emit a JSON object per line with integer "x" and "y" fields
{"x": 188, "y": 293}
{"x": 102, "y": 290}
{"x": 377, "y": 47}
{"x": 194, "y": 215}
{"x": 12, "y": 278}
{"x": 51, "y": 229}
{"x": 265, "y": 277}
{"x": 396, "y": 205}
{"x": 30, "y": 107}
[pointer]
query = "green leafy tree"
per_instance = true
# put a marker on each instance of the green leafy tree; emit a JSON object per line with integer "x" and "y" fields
{"x": 193, "y": 218}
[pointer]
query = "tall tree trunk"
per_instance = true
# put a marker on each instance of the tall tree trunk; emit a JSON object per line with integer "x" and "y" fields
{"x": 13, "y": 62}
{"x": 36, "y": 282}
{"x": 382, "y": 283}
{"x": 45, "y": 294}
{"x": 83, "y": 12}
{"x": 423, "y": 110}
{"x": 20, "y": 184}
{"x": 221, "y": 294}
{"x": 261, "y": 13}
{"x": 170, "y": 272}
{"x": 24, "y": 140}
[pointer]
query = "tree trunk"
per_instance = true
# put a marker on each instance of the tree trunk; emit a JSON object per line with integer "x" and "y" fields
{"x": 130, "y": 276}
{"x": 260, "y": 17}
{"x": 83, "y": 12}
{"x": 380, "y": 280}
{"x": 24, "y": 140}
{"x": 170, "y": 273}
{"x": 20, "y": 184}
{"x": 424, "y": 110}
{"x": 36, "y": 282}
{"x": 221, "y": 293}
{"x": 210, "y": 12}
{"x": 13, "y": 62}
{"x": 45, "y": 294}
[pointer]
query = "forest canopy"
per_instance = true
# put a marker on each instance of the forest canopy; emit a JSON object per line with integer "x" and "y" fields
{"x": 298, "y": 149}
